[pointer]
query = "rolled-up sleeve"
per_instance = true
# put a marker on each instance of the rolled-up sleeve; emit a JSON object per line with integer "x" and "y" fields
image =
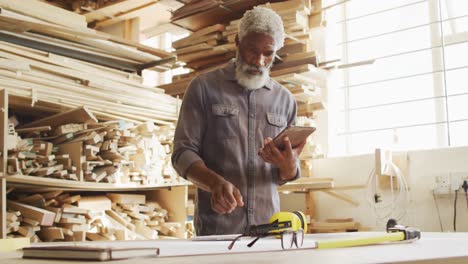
{"x": 190, "y": 129}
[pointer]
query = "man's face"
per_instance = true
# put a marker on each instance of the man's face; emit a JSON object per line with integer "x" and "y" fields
{"x": 255, "y": 56}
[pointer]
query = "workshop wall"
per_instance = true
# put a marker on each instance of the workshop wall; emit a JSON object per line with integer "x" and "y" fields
{"x": 423, "y": 167}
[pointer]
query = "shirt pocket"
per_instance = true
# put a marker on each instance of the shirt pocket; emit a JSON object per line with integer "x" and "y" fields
{"x": 275, "y": 124}
{"x": 226, "y": 120}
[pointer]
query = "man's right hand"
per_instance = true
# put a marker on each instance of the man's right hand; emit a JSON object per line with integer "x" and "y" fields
{"x": 225, "y": 197}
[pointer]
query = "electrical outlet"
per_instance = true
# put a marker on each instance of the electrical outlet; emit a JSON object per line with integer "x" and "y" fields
{"x": 442, "y": 184}
{"x": 455, "y": 181}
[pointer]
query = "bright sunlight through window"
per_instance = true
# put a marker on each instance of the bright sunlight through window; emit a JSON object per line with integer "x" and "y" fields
{"x": 415, "y": 93}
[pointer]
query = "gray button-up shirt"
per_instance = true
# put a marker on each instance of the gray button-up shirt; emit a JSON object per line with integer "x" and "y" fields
{"x": 224, "y": 124}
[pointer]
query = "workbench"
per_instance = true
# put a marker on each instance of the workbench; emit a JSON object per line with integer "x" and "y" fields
{"x": 432, "y": 248}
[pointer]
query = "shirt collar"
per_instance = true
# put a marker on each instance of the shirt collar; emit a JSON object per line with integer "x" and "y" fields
{"x": 230, "y": 74}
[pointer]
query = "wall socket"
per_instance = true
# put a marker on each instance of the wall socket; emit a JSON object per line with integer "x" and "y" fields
{"x": 442, "y": 184}
{"x": 449, "y": 183}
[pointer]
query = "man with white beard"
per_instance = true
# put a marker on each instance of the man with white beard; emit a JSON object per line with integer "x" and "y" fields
{"x": 223, "y": 140}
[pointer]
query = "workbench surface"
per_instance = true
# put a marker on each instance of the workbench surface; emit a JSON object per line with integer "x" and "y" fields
{"x": 432, "y": 248}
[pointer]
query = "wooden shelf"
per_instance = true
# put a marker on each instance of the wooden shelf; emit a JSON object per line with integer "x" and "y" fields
{"x": 47, "y": 184}
{"x": 307, "y": 184}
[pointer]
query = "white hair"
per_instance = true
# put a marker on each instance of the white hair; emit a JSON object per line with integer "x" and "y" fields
{"x": 263, "y": 20}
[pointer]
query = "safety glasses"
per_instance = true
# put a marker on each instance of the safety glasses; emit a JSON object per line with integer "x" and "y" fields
{"x": 288, "y": 239}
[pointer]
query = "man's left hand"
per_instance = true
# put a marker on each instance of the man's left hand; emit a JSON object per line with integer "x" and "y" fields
{"x": 285, "y": 159}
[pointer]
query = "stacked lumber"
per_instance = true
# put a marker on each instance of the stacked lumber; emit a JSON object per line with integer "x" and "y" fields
{"x": 205, "y": 48}
{"x": 297, "y": 69}
{"x": 50, "y": 56}
{"x": 13, "y": 220}
{"x": 295, "y": 66}
{"x": 74, "y": 146}
{"x": 146, "y": 218}
{"x": 202, "y": 13}
{"x": 61, "y": 216}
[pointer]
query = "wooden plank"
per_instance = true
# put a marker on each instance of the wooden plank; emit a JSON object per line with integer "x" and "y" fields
{"x": 3, "y": 163}
{"x": 51, "y": 234}
{"x": 141, "y": 47}
{"x": 20, "y": 25}
{"x": 93, "y": 97}
{"x": 218, "y": 50}
{"x": 43, "y": 63}
{"x": 95, "y": 203}
{"x": 184, "y": 42}
{"x": 306, "y": 186}
{"x": 13, "y": 65}
{"x": 114, "y": 9}
{"x": 127, "y": 198}
{"x": 46, "y": 12}
{"x": 68, "y": 208}
{"x": 196, "y": 35}
{"x": 79, "y": 115}
{"x": 75, "y": 151}
{"x": 69, "y": 51}
{"x": 297, "y": 69}
{"x": 51, "y": 195}
{"x": 45, "y": 218}
{"x": 48, "y": 184}
{"x": 194, "y": 48}
{"x": 123, "y": 16}
{"x": 33, "y": 129}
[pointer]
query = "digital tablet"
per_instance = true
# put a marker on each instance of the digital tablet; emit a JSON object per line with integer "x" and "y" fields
{"x": 296, "y": 134}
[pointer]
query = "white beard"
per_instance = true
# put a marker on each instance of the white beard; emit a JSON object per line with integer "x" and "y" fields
{"x": 251, "y": 81}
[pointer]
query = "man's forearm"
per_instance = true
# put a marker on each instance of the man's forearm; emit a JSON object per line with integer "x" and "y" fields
{"x": 203, "y": 177}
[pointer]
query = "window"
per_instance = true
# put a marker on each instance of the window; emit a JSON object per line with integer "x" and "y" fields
{"x": 164, "y": 42}
{"x": 415, "y": 93}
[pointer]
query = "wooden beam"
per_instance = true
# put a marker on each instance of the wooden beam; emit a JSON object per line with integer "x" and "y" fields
{"x": 115, "y": 9}
{"x": 129, "y": 14}
{"x": 127, "y": 198}
{"x": 45, "y": 218}
{"x": 79, "y": 115}
{"x": 112, "y": 63}
{"x": 310, "y": 205}
{"x": 15, "y": 23}
{"x": 3, "y": 164}
{"x": 49, "y": 184}
{"x": 33, "y": 129}
{"x": 306, "y": 186}
{"x": 74, "y": 150}
{"x": 46, "y": 12}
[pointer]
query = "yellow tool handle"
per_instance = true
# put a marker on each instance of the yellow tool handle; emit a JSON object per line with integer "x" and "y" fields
{"x": 389, "y": 237}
